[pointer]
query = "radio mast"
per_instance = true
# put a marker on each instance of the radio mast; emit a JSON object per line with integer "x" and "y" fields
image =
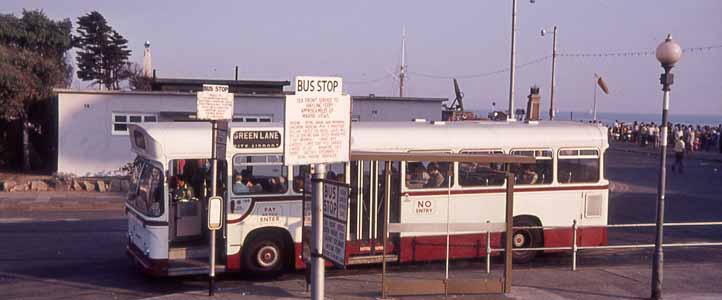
{"x": 402, "y": 71}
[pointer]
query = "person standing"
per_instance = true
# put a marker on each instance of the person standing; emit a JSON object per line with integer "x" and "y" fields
{"x": 679, "y": 148}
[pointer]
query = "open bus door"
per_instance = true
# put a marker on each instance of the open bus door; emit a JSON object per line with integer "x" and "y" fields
{"x": 189, "y": 187}
{"x": 366, "y": 211}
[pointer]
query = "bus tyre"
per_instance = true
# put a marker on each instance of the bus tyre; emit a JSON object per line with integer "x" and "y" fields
{"x": 525, "y": 238}
{"x": 265, "y": 255}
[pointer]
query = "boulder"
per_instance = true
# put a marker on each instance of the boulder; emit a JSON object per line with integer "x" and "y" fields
{"x": 38, "y": 186}
{"x": 9, "y": 185}
{"x": 76, "y": 186}
{"x": 115, "y": 185}
{"x": 89, "y": 186}
{"x": 20, "y": 187}
{"x": 101, "y": 186}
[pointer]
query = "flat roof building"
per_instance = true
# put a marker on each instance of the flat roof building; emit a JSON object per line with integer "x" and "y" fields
{"x": 92, "y": 125}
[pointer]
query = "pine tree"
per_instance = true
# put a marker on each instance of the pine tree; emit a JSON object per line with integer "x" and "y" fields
{"x": 102, "y": 53}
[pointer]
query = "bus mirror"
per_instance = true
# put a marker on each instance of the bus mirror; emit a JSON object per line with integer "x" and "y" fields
{"x": 215, "y": 211}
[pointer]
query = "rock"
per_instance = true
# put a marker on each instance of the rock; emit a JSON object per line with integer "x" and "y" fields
{"x": 124, "y": 185}
{"x": 101, "y": 186}
{"x": 9, "y": 185}
{"x": 38, "y": 186}
{"x": 20, "y": 188}
{"x": 76, "y": 186}
{"x": 115, "y": 185}
{"x": 89, "y": 186}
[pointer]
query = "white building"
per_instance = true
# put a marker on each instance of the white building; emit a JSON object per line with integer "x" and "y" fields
{"x": 93, "y": 138}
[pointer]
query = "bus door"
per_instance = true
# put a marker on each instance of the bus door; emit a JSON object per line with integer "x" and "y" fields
{"x": 189, "y": 187}
{"x": 366, "y": 223}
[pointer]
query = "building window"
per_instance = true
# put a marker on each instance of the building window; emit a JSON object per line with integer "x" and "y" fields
{"x": 252, "y": 118}
{"x": 121, "y": 121}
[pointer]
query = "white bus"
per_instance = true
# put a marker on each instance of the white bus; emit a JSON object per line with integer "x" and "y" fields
{"x": 263, "y": 197}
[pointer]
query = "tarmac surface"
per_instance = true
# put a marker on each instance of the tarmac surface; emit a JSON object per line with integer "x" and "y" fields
{"x": 71, "y": 246}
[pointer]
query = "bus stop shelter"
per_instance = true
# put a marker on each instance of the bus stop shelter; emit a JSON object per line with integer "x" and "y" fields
{"x": 397, "y": 286}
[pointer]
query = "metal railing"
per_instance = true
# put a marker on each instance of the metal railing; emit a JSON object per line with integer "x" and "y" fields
{"x": 574, "y": 248}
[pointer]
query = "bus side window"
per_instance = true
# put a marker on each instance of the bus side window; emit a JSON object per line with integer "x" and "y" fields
{"x": 540, "y": 172}
{"x": 428, "y": 174}
{"x": 480, "y": 174}
{"x": 259, "y": 174}
{"x": 299, "y": 175}
{"x": 578, "y": 166}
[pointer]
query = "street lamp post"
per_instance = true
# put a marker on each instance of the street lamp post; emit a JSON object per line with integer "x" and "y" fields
{"x": 554, "y": 64}
{"x": 510, "y": 115}
{"x": 668, "y": 53}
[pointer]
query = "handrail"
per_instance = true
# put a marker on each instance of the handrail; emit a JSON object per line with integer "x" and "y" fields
{"x": 574, "y": 247}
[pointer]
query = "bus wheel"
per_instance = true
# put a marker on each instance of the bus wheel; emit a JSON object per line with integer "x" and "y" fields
{"x": 525, "y": 238}
{"x": 265, "y": 255}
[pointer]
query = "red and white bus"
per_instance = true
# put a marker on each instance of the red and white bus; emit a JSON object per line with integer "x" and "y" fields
{"x": 263, "y": 197}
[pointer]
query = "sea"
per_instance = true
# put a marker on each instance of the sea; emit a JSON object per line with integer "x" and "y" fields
{"x": 609, "y": 117}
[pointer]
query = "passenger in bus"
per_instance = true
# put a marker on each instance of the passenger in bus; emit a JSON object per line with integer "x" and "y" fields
{"x": 183, "y": 192}
{"x": 298, "y": 184}
{"x": 436, "y": 179}
{"x": 529, "y": 176}
{"x": 275, "y": 186}
{"x": 253, "y": 186}
{"x": 419, "y": 177}
{"x": 240, "y": 187}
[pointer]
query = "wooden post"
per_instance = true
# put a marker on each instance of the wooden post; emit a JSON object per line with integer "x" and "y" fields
{"x": 509, "y": 231}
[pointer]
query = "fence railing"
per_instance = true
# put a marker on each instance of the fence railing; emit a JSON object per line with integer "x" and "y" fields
{"x": 574, "y": 248}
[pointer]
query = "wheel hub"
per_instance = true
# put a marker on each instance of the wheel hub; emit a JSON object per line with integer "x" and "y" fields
{"x": 267, "y": 256}
{"x": 519, "y": 240}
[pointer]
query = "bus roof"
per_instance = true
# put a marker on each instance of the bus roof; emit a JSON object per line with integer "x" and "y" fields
{"x": 457, "y": 136}
{"x": 169, "y": 140}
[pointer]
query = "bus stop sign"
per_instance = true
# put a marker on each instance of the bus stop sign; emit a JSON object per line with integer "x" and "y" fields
{"x": 335, "y": 212}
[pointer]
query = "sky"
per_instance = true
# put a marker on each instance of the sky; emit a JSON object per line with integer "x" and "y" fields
{"x": 361, "y": 42}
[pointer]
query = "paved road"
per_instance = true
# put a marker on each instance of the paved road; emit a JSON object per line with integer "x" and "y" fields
{"x": 62, "y": 253}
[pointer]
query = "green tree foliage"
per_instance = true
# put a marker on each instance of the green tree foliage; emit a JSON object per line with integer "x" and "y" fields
{"x": 32, "y": 60}
{"x": 103, "y": 53}
{"x": 136, "y": 80}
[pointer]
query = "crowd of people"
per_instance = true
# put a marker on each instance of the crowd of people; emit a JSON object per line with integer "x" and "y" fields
{"x": 695, "y": 138}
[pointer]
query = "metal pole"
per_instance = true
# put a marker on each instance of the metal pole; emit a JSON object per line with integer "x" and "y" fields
{"x": 657, "y": 265}
{"x": 574, "y": 245}
{"x": 594, "y": 110}
{"x": 214, "y": 179}
{"x": 510, "y": 116}
{"x": 317, "y": 262}
{"x": 488, "y": 251}
{"x": 448, "y": 208}
{"x": 387, "y": 203}
{"x": 554, "y": 64}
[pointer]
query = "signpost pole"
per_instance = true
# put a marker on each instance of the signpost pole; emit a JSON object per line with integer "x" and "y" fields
{"x": 214, "y": 179}
{"x": 317, "y": 262}
{"x": 215, "y": 103}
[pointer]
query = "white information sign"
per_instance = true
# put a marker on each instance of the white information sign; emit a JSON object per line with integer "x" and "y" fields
{"x": 215, "y": 211}
{"x": 317, "y": 122}
{"x": 335, "y": 209}
{"x": 215, "y": 103}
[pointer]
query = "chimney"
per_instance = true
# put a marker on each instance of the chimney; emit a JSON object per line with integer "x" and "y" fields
{"x": 532, "y": 107}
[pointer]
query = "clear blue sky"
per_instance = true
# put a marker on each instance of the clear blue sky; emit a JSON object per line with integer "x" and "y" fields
{"x": 361, "y": 41}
